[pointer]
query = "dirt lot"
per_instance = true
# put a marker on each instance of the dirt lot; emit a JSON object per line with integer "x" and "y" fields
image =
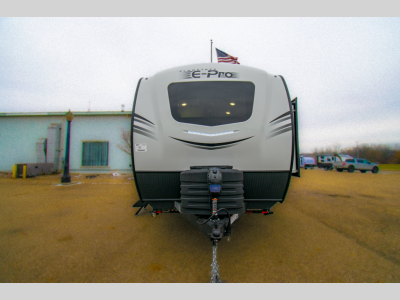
{"x": 333, "y": 227}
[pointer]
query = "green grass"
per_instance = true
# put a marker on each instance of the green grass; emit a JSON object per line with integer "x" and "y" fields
{"x": 389, "y": 167}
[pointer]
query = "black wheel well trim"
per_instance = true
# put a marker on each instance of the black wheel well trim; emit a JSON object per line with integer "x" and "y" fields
{"x": 132, "y": 148}
{"x": 293, "y": 138}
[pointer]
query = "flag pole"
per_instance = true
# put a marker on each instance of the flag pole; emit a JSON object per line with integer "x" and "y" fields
{"x": 211, "y": 50}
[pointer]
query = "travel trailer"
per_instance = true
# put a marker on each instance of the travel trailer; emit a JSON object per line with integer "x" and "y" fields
{"x": 212, "y": 142}
{"x": 307, "y": 162}
{"x": 325, "y": 161}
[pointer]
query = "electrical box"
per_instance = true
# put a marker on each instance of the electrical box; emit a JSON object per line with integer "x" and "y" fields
{"x": 34, "y": 169}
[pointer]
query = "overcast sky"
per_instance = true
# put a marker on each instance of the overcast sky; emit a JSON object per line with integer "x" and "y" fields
{"x": 344, "y": 71}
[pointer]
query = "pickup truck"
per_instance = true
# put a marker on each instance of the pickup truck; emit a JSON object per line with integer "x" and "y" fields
{"x": 352, "y": 164}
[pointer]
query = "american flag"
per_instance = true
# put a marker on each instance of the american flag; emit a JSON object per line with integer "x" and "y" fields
{"x": 226, "y": 58}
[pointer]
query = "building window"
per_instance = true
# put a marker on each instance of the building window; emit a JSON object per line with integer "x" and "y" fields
{"x": 95, "y": 154}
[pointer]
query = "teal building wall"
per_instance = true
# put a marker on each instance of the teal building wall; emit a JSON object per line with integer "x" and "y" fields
{"x": 19, "y": 133}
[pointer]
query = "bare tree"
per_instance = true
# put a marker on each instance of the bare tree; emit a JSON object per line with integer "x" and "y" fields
{"x": 328, "y": 150}
{"x": 126, "y": 141}
{"x": 336, "y": 148}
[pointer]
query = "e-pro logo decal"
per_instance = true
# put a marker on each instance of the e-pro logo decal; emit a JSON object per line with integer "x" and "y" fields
{"x": 206, "y": 73}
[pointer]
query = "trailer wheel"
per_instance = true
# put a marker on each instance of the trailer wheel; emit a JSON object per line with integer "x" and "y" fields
{"x": 375, "y": 170}
{"x": 326, "y": 168}
{"x": 339, "y": 170}
{"x": 351, "y": 169}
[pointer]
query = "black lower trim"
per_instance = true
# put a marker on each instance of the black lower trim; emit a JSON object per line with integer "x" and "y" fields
{"x": 265, "y": 185}
{"x": 167, "y": 200}
{"x": 159, "y": 185}
{"x": 139, "y": 204}
{"x": 259, "y": 187}
{"x": 160, "y": 205}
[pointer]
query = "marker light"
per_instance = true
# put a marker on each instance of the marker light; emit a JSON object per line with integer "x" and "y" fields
{"x": 183, "y": 104}
{"x": 211, "y": 134}
{"x": 228, "y": 113}
{"x": 232, "y": 103}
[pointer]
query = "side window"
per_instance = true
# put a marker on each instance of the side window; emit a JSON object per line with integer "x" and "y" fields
{"x": 95, "y": 154}
{"x": 350, "y": 160}
{"x": 360, "y": 161}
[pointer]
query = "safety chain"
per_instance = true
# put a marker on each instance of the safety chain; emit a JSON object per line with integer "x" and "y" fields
{"x": 215, "y": 267}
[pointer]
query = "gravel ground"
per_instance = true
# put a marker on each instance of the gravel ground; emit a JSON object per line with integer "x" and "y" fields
{"x": 333, "y": 227}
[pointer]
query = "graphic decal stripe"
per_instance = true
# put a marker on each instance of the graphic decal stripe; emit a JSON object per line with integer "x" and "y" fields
{"x": 143, "y": 122}
{"x": 143, "y": 118}
{"x": 281, "y": 116}
{"x": 210, "y": 148}
{"x": 211, "y": 145}
{"x": 144, "y": 133}
{"x": 281, "y": 127}
{"x": 143, "y": 129}
{"x": 281, "y": 120}
{"x": 279, "y": 132}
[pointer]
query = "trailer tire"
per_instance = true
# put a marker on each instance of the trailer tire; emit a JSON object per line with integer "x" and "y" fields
{"x": 351, "y": 169}
{"x": 326, "y": 169}
{"x": 375, "y": 170}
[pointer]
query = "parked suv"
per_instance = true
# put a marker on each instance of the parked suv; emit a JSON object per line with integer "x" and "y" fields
{"x": 352, "y": 164}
